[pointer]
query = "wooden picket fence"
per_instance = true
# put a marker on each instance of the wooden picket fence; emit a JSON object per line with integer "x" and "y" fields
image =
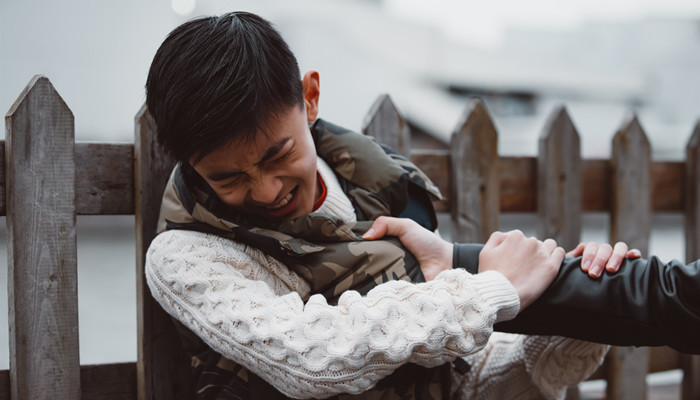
{"x": 48, "y": 179}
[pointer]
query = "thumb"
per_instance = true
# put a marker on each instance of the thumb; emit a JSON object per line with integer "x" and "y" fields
{"x": 634, "y": 253}
{"x": 577, "y": 251}
{"x": 385, "y": 226}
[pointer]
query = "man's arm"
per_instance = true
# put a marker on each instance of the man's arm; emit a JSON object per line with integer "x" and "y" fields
{"x": 646, "y": 303}
{"x": 249, "y": 308}
{"x": 529, "y": 264}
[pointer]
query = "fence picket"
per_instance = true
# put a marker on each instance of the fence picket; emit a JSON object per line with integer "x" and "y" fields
{"x": 691, "y": 363}
{"x": 559, "y": 181}
{"x": 162, "y": 366}
{"x": 42, "y": 258}
{"x": 385, "y": 123}
{"x": 474, "y": 176}
{"x": 630, "y": 222}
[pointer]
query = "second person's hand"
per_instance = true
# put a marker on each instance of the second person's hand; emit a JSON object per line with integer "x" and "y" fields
{"x": 529, "y": 264}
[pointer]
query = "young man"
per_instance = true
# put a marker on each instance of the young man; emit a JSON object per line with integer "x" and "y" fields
{"x": 265, "y": 212}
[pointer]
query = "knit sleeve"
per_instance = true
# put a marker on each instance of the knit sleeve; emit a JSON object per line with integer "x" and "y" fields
{"x": 249, "y": 308}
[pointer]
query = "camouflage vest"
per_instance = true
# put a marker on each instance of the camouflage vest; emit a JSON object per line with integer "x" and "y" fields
{"x": 324, "y": 250}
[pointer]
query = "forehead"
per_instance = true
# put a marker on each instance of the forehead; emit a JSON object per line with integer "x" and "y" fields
{"x": 240, "y": 153}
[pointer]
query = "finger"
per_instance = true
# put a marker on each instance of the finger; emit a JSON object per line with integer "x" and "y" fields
{"x": 558, "y": 256}
{"x": 601, "y": 259}
{"x": 588, "y": 255}
{"x": 495, "y": 239}
{"x": 634, "y": 253}
{"x": 383, "y": 226}
{"x": 516, "y": 238}
{"x": 549, "y": 245}
{"x": 618, "y": 254}
{"x": 577, "y": 251}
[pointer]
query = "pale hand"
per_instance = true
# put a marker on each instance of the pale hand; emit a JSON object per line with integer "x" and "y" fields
{"x": 529, "y": 264}
{"x": 595, "y": 257}
{"x": 432, "y": 252}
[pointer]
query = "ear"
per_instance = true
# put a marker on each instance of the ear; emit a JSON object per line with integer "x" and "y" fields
{"x": 312, "y": 90}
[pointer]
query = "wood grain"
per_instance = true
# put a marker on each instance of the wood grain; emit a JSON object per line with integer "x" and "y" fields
{"x": 385, "y": 123}
{"x": 475, "y": 185}
{"x": 42, "y": 260}
{"x": 559, "y": 181}
{"x": 98, "y": 382}
{"x": 630, "y": 222}
{"x": 517, "y": 180}
{"x": 163, "y": 371}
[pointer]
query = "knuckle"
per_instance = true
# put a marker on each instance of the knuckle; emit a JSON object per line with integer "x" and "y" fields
{"x": 517, "y": 233}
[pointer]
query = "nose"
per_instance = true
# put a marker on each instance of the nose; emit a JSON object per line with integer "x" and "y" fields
{"x": 265, "y": 189}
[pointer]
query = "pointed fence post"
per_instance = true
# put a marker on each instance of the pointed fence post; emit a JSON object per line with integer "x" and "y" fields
{"x": 559, "y": 181}
{"x": 691, "y": 363}
{"x": 163, "y": 371}
{"x": 385, "y": 123}
{"x": 42, "y": 258}
{"x": 474, "y": 180}
{"x": 630, "y": 222}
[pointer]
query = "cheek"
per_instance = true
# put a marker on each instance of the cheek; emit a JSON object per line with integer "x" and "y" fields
{"x": 308, "y": 169}
{"x": 231, "y": 197}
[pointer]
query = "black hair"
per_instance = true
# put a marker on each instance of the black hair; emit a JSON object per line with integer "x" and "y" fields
{"x": 218, "y": 78}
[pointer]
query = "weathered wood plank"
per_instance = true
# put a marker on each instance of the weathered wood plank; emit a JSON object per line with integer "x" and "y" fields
{"x": 518, "y": 182}
{"x": 630, "y": 222}
{"x": 691, "y": 364}
{"x": 104, "y": 178}
{"x": 660, "y": 359}
{"x": 385, "y": 123}
{"x": 98, "y": 382}
{"x": 475, "y": 186}
{"x": 5, "y": 384}
{"x": 42, "y": 258}
{"x": 104, "y": 181}
{"x": 108, "y": 381}
{"x": 559, "y": 181}
{"x": 162, "y": 368}
{"x": 435, "y": 164}
{"x": 559, "y": 187}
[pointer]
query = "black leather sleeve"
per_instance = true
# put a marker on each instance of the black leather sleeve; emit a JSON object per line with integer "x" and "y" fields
{"x": 646, "y": 303}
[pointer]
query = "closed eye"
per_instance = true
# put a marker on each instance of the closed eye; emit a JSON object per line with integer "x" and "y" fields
{"x": 232, "y": 182}
{"x": 279, "y": 159}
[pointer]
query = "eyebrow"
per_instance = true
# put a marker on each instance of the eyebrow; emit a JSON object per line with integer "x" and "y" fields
{"x": 271, "y": 152}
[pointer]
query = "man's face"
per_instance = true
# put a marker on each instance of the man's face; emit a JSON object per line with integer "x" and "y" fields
{"x": 273, "y": 177}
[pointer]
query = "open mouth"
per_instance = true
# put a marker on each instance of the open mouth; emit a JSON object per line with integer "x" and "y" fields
{"x": 282, "y": 202}
{"x": 284, "y": 206}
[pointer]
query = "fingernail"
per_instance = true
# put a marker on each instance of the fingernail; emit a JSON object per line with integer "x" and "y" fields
{"x": 637, "y": 253}
{"x": 586, "y": 264}
{"x": 368, "y": 234}
{"x": 595, "y": 270}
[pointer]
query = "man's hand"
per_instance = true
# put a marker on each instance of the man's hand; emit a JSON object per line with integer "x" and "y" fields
{"x": 433, "y": 253}
{"x": 529, "y": 264}
{"x": 595, "y": 257}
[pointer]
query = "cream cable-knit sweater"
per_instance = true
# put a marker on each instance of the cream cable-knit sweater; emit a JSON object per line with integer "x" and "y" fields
{"x": 250, "y": 308}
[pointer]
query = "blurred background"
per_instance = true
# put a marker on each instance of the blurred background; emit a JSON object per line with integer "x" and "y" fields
{"x": 602, "y": 59}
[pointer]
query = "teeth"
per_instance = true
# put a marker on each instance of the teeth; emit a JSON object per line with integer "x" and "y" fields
{"x": 282, "y": 202}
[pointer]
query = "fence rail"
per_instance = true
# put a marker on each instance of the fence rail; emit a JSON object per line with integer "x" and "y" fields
{"x": 48, "y": 179}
